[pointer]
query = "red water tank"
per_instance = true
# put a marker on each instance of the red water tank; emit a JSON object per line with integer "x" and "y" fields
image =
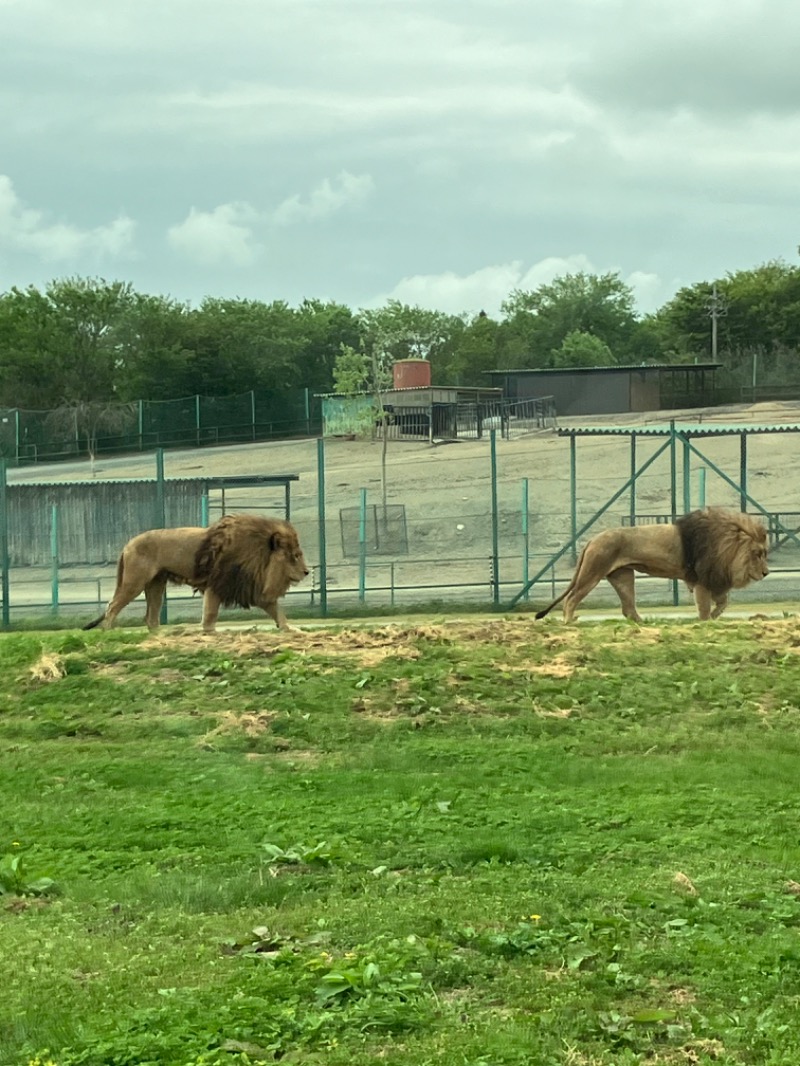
{"x": 412, "y": 374}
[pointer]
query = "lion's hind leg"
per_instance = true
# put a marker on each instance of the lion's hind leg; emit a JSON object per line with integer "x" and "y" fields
{"x": 586, "y": 578}
{"x": 623, "y": 583}
{"x": 123, "y": 595}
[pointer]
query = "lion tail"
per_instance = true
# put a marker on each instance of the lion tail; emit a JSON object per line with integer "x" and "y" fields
{"x": 98, "y": 620}
{"x": 565, "y": 593}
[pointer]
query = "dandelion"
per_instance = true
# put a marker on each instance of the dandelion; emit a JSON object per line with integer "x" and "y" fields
{"x": 535, "y": 917}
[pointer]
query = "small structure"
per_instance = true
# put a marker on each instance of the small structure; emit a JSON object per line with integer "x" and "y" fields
{"x": 418, "y": 410}
{"x": 612, "y": 389}
{"x": 422, "y": 413}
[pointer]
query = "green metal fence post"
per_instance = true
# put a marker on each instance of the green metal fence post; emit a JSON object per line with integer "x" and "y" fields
{"x": 308, "y": 411}
{"x": 141, "y": 425}
{"x": 323, "y": 553}
{"x": 54, "y": 557}
{"x": 161, "y": 513}
{"x": 687, "y": 477}
{"x": 4, "y": 560}
{"x": 673, "y": 491}
{"x": 573, "y": 495}
{"x": 204, "y": 509}
{"x": 495, "y": 521}
{"x": 525, "y": 541}
{"x": 701, "y": 486}
{"x": 253, "y": 411}
{"x": 16, "y": 434}
{"x": 633, "y": 480}
{"x": 362, "y": 547}
{"x": 197, "y": 418}
{"x": 743, "y": 471}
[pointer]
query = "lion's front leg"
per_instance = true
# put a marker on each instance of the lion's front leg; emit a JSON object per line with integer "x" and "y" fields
{"x": 154, "y": 595}
{"x": 702, "y": 598}
{"x": 211, "y": 605}
{"x": 275, "y": 611}
{"x": 720, "y": 603}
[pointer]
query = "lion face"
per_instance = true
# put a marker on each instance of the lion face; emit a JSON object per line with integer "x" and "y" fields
{"x": 288, "y": 546}
{"x": 757, "y": 562}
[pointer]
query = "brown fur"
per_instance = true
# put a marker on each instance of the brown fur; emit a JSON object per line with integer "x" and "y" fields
{"x": 712, "y": 550}
{"x": 241, "y": 560}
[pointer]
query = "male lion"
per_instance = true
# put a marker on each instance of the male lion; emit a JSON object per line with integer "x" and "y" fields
{"x": 712, "y": 550}
{"x": 239, "y": 561}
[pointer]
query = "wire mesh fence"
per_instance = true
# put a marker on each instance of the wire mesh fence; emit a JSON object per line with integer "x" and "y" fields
{"x": 192, "y": 421}
{"x": 473, "y": 528}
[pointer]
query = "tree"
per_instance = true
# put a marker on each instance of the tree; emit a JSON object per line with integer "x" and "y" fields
{"x": 82, "y": 419}
{"x": 323, "y": 328}
{"x": 536, "y": 323}
{"x": 759, "y": 324}
{"x": 63, "y": 343}
{"x": 473, "y": 352}
{"x": 582, "y": 349}
{"x": 359, "y": 371}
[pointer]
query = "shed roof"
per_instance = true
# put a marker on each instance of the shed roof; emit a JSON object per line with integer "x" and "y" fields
{"x": 608, "y": 369}
{"x": 688, "y": 429}
{"x": 233, "y": 481}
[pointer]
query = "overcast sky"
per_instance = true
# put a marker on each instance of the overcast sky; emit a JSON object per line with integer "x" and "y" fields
{"x": 443, "y": 152}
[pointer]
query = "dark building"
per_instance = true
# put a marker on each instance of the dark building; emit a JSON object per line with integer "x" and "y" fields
{"x": 612, "y": 389}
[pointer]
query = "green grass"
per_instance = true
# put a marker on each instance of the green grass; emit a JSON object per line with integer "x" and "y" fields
{"x": 491, "y": 842}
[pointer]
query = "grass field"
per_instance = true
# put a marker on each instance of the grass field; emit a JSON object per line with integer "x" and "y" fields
{"x": 484, "y": 842}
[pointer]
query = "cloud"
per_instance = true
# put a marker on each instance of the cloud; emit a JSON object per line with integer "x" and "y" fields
{"x": 325, "y": 199}
{"x": 487, "y": 288}
{"x": 24, "y": 229}
{"x": 223, "y": 235}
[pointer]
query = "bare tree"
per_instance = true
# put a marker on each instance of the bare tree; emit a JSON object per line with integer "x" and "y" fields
{"x": 85, "y": 420}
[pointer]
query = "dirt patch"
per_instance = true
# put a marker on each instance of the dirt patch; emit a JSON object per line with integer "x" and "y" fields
{"x": 48, "y": 668}
{"x": 247, "y": 724}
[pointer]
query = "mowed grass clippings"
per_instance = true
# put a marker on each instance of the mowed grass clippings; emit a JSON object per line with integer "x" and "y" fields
{"x": 484, "y": 842}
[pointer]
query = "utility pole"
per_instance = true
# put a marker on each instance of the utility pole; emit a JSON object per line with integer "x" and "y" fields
{"x": 717, "y": 308}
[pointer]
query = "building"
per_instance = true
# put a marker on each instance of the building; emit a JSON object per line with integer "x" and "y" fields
{"x": 612, "y": 389}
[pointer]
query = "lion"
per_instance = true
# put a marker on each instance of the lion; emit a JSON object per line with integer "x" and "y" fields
{"x": 712, "y": 550}
{"x": 240, "y": 561}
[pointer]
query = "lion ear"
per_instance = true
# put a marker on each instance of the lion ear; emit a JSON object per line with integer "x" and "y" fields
{"x": 276, "y": 542}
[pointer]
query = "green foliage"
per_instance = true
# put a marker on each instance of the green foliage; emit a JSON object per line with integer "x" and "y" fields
{"x": 556, "y": 838}
{"x": 92, "y": 342}
{"x": 759, "y": 317}
{"x": 582, "y": 349}
{"x": 352, "y": 371}
{"x": 15, "y": 880}
{"x": 538, "y": 323}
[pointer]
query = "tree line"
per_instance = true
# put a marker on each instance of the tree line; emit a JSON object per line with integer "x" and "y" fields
{"x": 86, "y": 340}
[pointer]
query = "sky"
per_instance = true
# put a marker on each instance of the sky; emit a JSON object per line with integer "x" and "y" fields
{"x": 439, "y": 152}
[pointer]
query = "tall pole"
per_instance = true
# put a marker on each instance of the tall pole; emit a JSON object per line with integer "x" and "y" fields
{"x": 161, "y": 515}
{"x": 573, "y": 496}
{"x": 716, "y": 309}
{"x": 4, "y": 560}
{"x": 495, "y": 522}
{"x": 362, "y": 547}
{"x": 323, "y": 564}
{"x": 525, "y": 540}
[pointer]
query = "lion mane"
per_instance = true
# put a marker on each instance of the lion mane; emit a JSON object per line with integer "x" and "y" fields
{"x": 240, "y": 561}
{"x": 713, "y": 550}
